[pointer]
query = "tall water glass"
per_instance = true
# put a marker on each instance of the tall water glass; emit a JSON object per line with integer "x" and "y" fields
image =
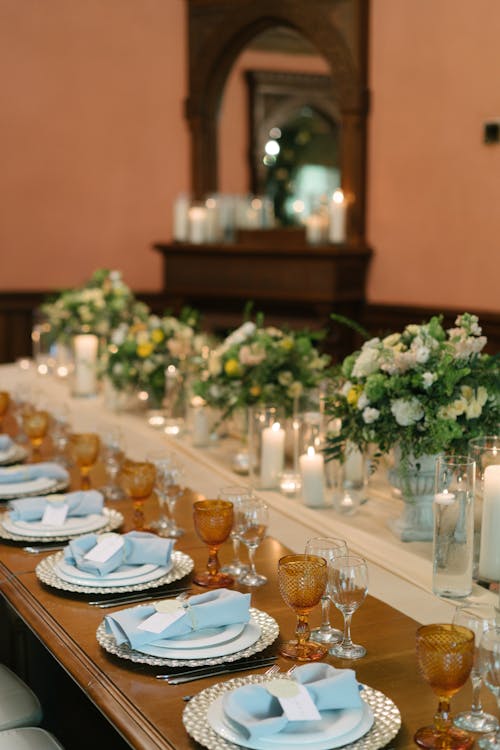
{"x": 453, "y": 539}
{"x": 329, "y": 548}
{"x": 486, "y": 453}
{"x": 489, "y": 660}
{"x": 478, "y": 618}
{"x": 237, "y": 495}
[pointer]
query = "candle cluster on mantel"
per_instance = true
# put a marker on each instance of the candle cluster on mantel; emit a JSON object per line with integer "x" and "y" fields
{"x": 216, "y": 218}
{"x": 328, "y": 224}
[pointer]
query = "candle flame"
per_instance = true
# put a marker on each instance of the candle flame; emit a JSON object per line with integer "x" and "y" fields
{"x": 338, "y": 196}
{"x": 311, "y": 451}
{"x": 276, "y": 426}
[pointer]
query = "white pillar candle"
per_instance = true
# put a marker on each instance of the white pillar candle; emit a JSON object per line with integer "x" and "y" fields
{"x": 197, "y": 231}
{"x": 338, "y": 208}
{"x": 200, "y": 423}
{"x": 313, "y": 478}
{"x": 181, "y": 207}
{"x": 272, "y": 455}
{"x": 353, "y": 465}
{"x": 85, "y": 367}
{"x": 315, "y": 229}
{"x": 489, "y": 556}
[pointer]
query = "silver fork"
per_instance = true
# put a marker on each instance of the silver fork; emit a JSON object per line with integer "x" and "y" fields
{"x": 38, "y": 550}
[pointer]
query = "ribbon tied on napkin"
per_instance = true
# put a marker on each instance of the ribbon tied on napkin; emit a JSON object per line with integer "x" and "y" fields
{"x": 134, "y": 548}
{"x": 257, "y": 713}
{"x": 212, "y": 609}
{"x": 80, "y": 503}
{"x": 28, "y": 472}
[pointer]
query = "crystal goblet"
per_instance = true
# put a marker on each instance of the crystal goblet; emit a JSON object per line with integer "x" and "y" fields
{"x": 252, "y": 516}
{"x": 489, "y": 662}
{"x": 84, "y": 449}
{"x": 112, "y": 457}
{"x": 347, "y": 587}
{"x": 138, "y": 479}
{"x": 445, "y": 655}
{"x": 329, "y": 548}
{"x": 213, "y": 521}
{"x": 237, "y": 495}
{"x": 302, "y": 580}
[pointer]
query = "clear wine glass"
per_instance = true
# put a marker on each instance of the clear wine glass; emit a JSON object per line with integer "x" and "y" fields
{"x": 20, "y": 396}
{"x": 347, "y": 587}
{"x": 477, "y": 618}
{"x": 329, "y": 548}
{"x": 59, "y": 431}
{"x": 112, "y": 458}
{"x": 489, "y": 663}
{"x": 236, "y": 495}
{"x": 168, "y": 489}
{"x": 251, "y": 524}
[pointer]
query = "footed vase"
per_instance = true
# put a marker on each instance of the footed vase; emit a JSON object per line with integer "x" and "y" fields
{"x": 415, "y": 479}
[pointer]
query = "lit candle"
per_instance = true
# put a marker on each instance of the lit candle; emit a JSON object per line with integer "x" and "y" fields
{"x": 337, "y": 217}
{"x": 181, "y": 207}
{"x": 315, "y": 229}
{"x": 197, "y": 216}
{"x": 313, "y": 478}
{"x": 212, "y": 228}
{"x": 200, "y": 426}
{"x": 489, "y": 556}
{"x": 273, "y": 455}
{"x": 85, "y": 369}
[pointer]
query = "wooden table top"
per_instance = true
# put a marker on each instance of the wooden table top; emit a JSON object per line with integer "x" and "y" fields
{"x": 147, "y": 712}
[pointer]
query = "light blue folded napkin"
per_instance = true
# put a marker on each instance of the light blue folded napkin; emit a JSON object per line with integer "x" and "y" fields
{"x": 80, "y": 503}
{"x": 5, "y": 443}
{"x": 138, "y": 548}
{"x": 257, "y": 713}
{"x": 212, "y": 609}
{"x": 18, "y": 473}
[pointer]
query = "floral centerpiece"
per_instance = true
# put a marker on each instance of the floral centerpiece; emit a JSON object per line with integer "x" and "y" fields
{"x": 261, "y": 365}
{"x": 98, "y": 307}
{"x": 425, "y": 390}
{"x": 138, "y": 354}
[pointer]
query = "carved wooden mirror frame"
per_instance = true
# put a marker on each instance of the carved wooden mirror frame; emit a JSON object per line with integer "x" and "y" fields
{"x": 338, "y": 29}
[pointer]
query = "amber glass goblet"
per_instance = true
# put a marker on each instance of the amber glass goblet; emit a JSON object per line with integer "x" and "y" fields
{"x": 445, "y": 655}
{"x": 213, "y": 521}
{"x": 138, "y": 480}
{"x": 84, "y": 448}
{"x": 36, "y": 425}
{"x": 4, "y": 405}
{"x": 302, "y": 581}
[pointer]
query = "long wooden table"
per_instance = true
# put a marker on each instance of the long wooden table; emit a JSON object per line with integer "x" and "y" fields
{"x": 144, "y": 713}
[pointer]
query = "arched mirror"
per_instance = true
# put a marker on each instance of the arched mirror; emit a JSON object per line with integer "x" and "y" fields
{"x": 277, "y": 102}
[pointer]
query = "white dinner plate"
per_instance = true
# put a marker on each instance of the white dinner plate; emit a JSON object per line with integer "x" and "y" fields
{"x": 125, "y": 575}
{"x": 206, "y": 637}
{"x": 249, "y": 636}
{"x": 72, "y": 526}
{"x": 13, "y": 455}
{"x": 40, "y": 486}
{"x": 335, "y": 729}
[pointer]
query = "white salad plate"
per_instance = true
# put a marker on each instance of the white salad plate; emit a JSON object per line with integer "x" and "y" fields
{"x": 123, "y": 576}
{"x": 40, "y": 486}
{"x": 113, "y": 519}
{"x": 206, "y": 637}
{"x": 72, "y": 525}
{"x": 249, "y": 635}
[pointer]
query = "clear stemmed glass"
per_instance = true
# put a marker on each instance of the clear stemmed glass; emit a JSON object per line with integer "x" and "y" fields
{"x": 112, "y": 458}
{"x": 478, "y": 619}
{"x": 213, "y": 521}
{"x": 302, "y": 580}
{"x": 84, "y": 447}
{"x": 59, "y": 431}
{"x": 168, "y": 490}
{"x": 329, "y": 548}
{"x": 489, "y": 662}
{"x": 237, "y": 495}
{"x": 175, "y": 490}
{"x": 252, "y": 517}
{"x": 20, "y": 396}
{"x": 445, "y": 654}
{"x": 347, "y": 587}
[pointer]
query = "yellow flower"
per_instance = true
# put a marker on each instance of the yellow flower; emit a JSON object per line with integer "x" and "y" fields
{"x": 157, "y": 335}
{"x": 145, "y": 349}
{"x": 354, "y": 394}
{"x": 232, "y": 368}
{"x": 255, "y": 391}
{"x": 287, "y": 343}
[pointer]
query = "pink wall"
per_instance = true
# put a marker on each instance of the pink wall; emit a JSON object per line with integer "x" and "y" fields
{"x": 94, "y": 147}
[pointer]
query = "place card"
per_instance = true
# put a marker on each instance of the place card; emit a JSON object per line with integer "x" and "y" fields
{"x": 294, "y": 699}
{"x": 107, "y": 545}
{"x": 55, "y": 512}
{"x": 166, "y": 614}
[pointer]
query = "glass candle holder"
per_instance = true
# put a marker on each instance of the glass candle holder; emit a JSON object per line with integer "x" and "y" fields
{"x": 486, "y": 453}
{"x": 266, "y": 446}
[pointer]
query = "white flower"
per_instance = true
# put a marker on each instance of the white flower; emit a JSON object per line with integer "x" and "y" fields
{"x": 296, "y": 389}
{"x": 241, "y": 334}
{"x": 346, "y": 388}
{"x": 252, "y": 355}
{"x": 370, "y": 414}
{"x": 214, "y": 364}
{"x": 422, "y": 354}
{"x": 429, "y": 378}
{"x": 407, "y": 411}
{"x": 367, "y": 362}
{"x": 285, "y": 378}
{"x": 362, "y": 401}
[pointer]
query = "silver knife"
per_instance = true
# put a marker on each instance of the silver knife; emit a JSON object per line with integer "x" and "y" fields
{"x": 108, "y": 602}
{"x": 215, "y": 671}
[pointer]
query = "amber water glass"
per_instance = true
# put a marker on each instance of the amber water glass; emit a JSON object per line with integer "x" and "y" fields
{"x": 302, "y": 581}
{"x": 138, "y": 480}
{"x": 36, "y": 425}
{"x": 4, "y": 405}
{"x": 445, "y": 655}
{"x": 84, "y": 448}
{"x": 213, "y": 521}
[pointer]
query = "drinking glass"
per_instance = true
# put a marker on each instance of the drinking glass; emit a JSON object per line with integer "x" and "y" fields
{"x": 302, "y": 580}
{"x": 174, "y": 489}
{"x": 237, "y": 495}
{"x": 4, "y": 405}
{"x": 112, "y": 457}
{"x": 138, "y": 479}
{"x": 445, "y": 654}
{"x": 36, "y": 425}
{"x": 252, "y": 517}
{"x": 478, "y": 619}
{"x": 20, "y": 398}
{"x": 59, "y": 431}
{"x": 489, "y": 661}
{"x": 328, "y": 548}
{"x": 168, "y": 489}
{"x": 213, "y": 521}
{"x": 347, "y": 587}
{"x": 84, "y": 448}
